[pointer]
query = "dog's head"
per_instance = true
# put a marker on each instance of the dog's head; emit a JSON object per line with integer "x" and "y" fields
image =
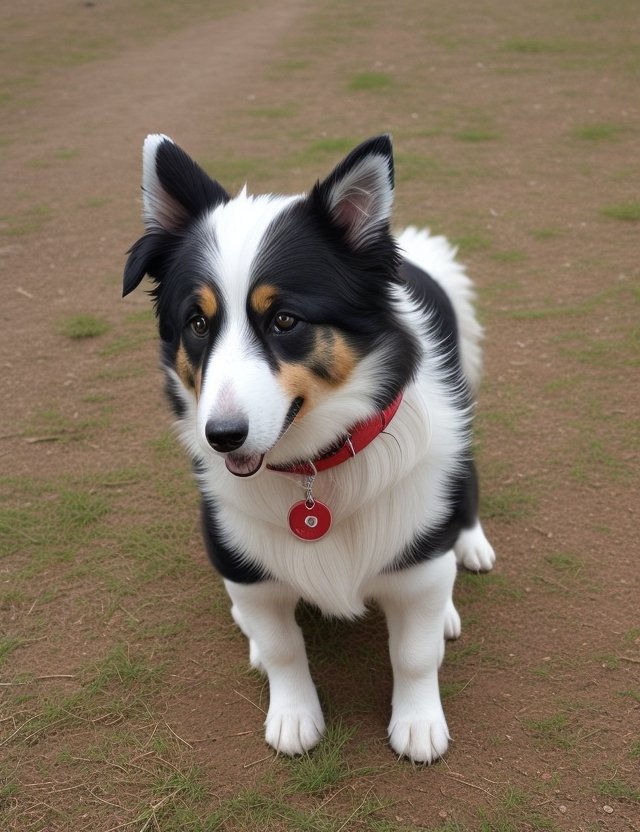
{"x": 278, "y": 318}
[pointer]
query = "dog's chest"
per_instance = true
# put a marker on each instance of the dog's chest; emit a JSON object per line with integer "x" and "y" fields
{"x": 376, "y": 517}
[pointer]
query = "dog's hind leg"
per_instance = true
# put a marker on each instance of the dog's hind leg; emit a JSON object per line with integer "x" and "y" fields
{"x": 452, "y": 623}
{"x": 414, "y": 601}
{"x": 473, "y": 550}
{"x": 265, "y": 612}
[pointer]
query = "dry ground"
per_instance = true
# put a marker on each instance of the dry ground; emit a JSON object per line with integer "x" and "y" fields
{"x": 126, "y": 703}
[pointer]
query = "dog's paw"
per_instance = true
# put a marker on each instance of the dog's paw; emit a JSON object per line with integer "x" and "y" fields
{"x": 452, "y": 623}
{"x": 423, "y": 739}
{"x": 294, "y": 731}
{"x": 474, "y": 551}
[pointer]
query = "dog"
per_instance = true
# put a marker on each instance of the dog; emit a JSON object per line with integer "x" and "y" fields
{"x": 323, "y": 375}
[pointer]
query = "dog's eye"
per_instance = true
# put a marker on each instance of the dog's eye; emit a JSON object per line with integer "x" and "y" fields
{"x": 199, "y": 325}
{"x": 284, "y": 322}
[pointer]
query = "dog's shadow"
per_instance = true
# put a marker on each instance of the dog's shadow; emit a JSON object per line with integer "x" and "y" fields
{"x": 349, "y": 661}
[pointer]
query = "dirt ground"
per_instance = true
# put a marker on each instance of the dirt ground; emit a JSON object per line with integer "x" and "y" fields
{"x": 126, "y": 702}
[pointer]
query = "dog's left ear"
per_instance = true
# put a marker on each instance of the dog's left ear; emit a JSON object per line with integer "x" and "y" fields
{"x": 175, "y": 191}
{"x": 358, "y": 194}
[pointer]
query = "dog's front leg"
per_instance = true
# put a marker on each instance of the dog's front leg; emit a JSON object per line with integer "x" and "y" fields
{"x": 414, "y": 601}
{"x": 265, "y": 612}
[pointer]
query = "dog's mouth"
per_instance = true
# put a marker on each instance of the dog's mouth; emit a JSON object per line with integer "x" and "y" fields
{"x": 244, "y": 466}
{"x": 241, "y": 465}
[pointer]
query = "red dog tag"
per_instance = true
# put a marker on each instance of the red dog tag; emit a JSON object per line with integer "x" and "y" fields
{"x": 309, "y": 519}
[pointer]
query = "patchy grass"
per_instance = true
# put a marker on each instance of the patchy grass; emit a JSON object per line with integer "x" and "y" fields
{"x": 7, "y": 645}
{"x": 274, "y": 812}
{"x": 510, "y": 256}
{"x": 378, "y": 82}
{"x": 472, "y": 241}
{"x": 512, "y": 502}
{"x": 627, "y": 212}
{"x": 555, "y": 731}
{"x": 50, "y": 425}
{"x": 27, "y": 221}
{"x": 80, "y": 327}
{"x": 478, "y": 135}
{"x": 52, "y": 525}
{"x": 113, "y": 689}
{"x": 597, "y": 132}
{"x": 618, "y": 789}
{"x": 516, "y": 810}
{"x": 537, "y": 46}
{"x": 566, "y": 564}
{"x": 326, "y": 766}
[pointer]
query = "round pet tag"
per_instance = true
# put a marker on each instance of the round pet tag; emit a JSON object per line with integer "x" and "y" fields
{"x": 309, "y": 520}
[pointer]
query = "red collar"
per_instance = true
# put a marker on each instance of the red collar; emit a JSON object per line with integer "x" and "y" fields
{"x": 357, "y": 439}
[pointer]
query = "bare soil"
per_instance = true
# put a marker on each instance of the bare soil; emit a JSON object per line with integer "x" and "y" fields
{"x": 126, "y": 703}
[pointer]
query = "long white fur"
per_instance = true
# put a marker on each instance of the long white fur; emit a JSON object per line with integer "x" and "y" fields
{"x": 381, "y": 500}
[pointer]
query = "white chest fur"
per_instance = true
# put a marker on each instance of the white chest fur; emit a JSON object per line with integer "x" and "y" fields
{"x": 380, "y": 501}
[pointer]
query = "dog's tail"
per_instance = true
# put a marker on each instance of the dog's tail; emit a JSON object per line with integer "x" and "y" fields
{"x": 437, "y": 257}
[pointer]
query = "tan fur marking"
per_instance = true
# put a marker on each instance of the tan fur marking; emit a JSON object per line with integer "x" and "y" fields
{"x": 184, "y": 368}
{"x": 262, "y": 297}
{"x": 333, "y": 353}
{"x": 208, "y": 301}
{"x": 299, "y": 380}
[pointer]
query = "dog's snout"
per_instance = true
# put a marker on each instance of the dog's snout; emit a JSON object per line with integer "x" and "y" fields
{"x": 225, "y": 435}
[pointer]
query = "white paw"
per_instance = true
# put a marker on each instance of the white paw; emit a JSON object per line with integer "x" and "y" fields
{"x": 423, "y": 739}
{"x": 294, "y": 730}
{"x": 452, "y": 623}
{"x": 474, "y": 551}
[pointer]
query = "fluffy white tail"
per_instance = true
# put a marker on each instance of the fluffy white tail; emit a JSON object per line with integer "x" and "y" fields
{"x": 437, "y": 256}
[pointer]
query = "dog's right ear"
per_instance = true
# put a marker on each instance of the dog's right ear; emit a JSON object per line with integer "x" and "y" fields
{"x": 175, "y": 190}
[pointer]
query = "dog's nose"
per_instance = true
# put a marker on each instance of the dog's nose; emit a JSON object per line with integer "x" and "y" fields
{"x": 226, "y": 435}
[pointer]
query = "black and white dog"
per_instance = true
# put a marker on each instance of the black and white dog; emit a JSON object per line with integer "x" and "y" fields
{"x": 322, "y": 373}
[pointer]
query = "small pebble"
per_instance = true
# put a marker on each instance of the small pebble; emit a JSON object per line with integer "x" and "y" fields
{"x": 608, "y": 809}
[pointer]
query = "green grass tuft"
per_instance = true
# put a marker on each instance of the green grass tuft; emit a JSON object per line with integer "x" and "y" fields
{"x": 83, "y": 326}
{"x": 372, "y": 82}
{"x": 565, "y": 563}
{"x": 478, "y": 135}
{"x": 325, "y": 766}
{"x": 627, "y": 212}
{"x": 7, "y": 645}
{"x": 534, "y": 46}
{"x": 619, "y": 789}
{"x": 597, "y": 132}
{"x": 510, "y": 503}
{"x": 514, "y": 812}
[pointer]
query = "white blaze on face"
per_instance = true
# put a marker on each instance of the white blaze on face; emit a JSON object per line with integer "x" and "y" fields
{"x": 238, "y": 381}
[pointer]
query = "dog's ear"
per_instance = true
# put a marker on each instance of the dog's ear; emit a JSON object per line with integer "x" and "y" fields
{"x": 175, "y": 190}
{"x": 358, "y": 194}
